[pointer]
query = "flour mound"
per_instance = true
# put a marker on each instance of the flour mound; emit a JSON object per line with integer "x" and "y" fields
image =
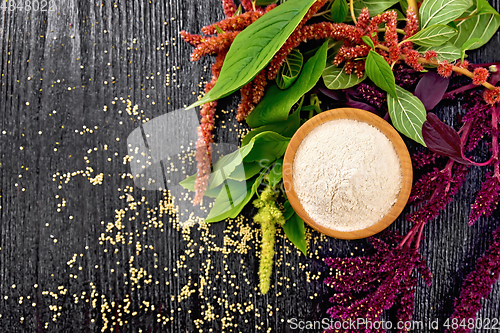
{"x": 347, "y": 175}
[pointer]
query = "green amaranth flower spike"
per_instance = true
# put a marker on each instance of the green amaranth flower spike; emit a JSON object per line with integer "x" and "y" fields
{"x": 268, "y": 216}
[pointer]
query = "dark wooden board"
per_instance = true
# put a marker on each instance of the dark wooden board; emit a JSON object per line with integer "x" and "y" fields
{"x": 59, "y": 69}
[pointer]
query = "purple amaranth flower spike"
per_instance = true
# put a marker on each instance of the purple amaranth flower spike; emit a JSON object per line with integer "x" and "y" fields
{"x": 367, "y": 286}
{"x": 477, "y": 285}
{"x": 486, "y": 199}
{"x": 445, "y": 184}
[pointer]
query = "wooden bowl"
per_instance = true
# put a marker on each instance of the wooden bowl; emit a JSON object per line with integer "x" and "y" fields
{"x": 385, "y": 128}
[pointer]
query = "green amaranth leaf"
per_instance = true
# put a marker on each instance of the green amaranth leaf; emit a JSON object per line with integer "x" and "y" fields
{"x": 227, "y": 164}
{"x": 290, "y": 69}
{"x": 470, "y": 44}
{"x": 219, "y": 30}
{"x": 285, "y": 128}
{"x": 447, "y": 51}
{"x": 482, "y": 25}
{"x": 249, "y": 170}
{"x": 189, "y": 184}
{"x": 407, "y": 114}
{"x": 276, "y": 173}
{"x": 244, "y": 163}
{"x": 268, "y": 146}
{"x": 255, "y": 46}
{"x": 379, "y": 71}
{"x": 265, "y": 2}
{"x": 239, "y": 11}
{"x": 434, "y": 35}
{"x": 375, "y": 7}
{"x": 339, "y": 11}
{"x": 276, "y": 104}
{"x": 483, "y": 7}
{"x": 368, "y": 41}
{"x": 404, "y": 5}
{"x": 335, "y": 78}
{"x": 294, "y": 228}
{"x": 232, "y": 198}
{"x": 441, "y": 11}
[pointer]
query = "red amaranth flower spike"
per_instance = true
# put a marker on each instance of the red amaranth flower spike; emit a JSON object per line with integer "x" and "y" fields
{"x": 246, "y": 106}
{"x": 229, "y": 7}
{"x": 202, "y": 166}
{"x": 247, "y": 5}
{"x": 259, "y": 84}
{"x": 193, "y": 39}
{"x": 445, "y": 69}
{"x": 492, "y": 96}
{"x": 316, "y": 31}
{"x": 205, "y": 137}
{"x": 431, "y": 54}
{"x": 462, "y": 64}
{"x": 411, "y": 27}
{"x": 363, "y": 19}
{"x": 214, "y": 45}
{"x": 316, "y": 6}
{"x": 235, "y": 23}
{"x": 412, "y": 60}
{"x": 480, "y": 75}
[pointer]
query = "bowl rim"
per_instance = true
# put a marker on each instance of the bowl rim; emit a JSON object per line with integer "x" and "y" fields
{"x": 388, "y": 131}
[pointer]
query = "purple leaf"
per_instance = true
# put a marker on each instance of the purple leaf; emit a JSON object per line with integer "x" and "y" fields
{"x": 431, "y": 88}
{"x": 442, "y": 139}
{"x": 360, "y": 105}
{"x": 333, "y": 94}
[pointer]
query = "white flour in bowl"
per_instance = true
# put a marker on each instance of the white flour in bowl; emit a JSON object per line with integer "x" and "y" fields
{"x": 346, "y": 174}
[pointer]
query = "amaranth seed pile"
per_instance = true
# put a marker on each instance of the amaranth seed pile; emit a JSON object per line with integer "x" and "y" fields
{"x": 347, "y": 174}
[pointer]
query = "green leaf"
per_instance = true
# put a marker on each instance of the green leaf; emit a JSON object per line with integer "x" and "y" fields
{"x": 441, "y": 11}
{"x": 379, "y": 71}
{"x": 482, "y": 25}
{"x": 285, "y": 128}
{"x": 375, "y": 7}
{"x": 232, "y": 198}
{"x": 470, "y": 44}
{"x": 368, "y": 41}
{"x": 483, "y": 7}
{"x": 407, "y": 114}
{"x": 219, "y": 30}
{"x": 189, "y": 182}
{"x": 339, "y": 11}
{"x": 276, "y": 104}
{"x": 404, "y": 5}
{"x": 434, "y": 35}
{"x": 249, "y": 170}
{"x": 294, "y": 228}
{"x": 227, "y": 164}
{"x": 447, "y": 51}
{"x": 255, "y": 46}
{"x": 239, "y": 11}
{"x": 290, "y": 69}
{"x": 276, "y": 173}
{"x": 335, "y": 78}
{"x": 265, "y": 2}
{"x": 268, "y": 146}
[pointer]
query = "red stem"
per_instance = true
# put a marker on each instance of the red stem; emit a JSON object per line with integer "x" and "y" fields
{"x": 494, "y": 124}
{"x": 408, "y": 235}
{"x": 419, "y": 238}
{"x": 460, "y": 90}
{"x": 465, "y": 130}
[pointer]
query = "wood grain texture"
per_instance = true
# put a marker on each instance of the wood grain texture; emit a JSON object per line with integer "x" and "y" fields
{"x": 382, "y": 126}
{"x": 68, "y": 72}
